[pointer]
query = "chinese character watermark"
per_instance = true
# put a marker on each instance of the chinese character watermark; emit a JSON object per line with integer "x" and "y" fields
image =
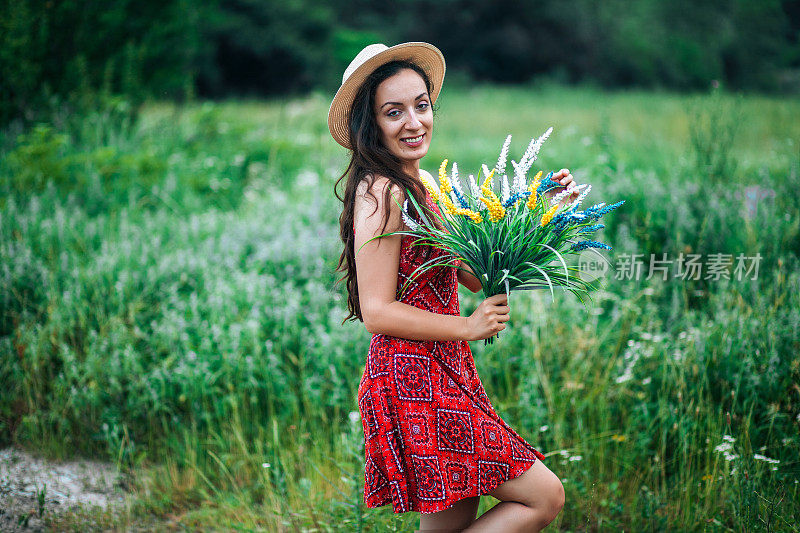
{"x": 713, "y": 266}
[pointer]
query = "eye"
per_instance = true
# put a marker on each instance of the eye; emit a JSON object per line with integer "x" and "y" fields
{"x": 393, "y": 113}
{"x": 423, "y": 105}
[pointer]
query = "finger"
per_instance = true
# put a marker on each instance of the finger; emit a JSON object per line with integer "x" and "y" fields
{"x": 498, "y": 299}
{"x": 503, "y": 318}
{"x": 502, "y": 309}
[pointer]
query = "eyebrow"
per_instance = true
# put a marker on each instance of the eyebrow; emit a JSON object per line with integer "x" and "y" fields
{"x": 399, "y": 103}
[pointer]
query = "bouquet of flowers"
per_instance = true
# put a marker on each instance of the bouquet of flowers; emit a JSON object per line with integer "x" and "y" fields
{"x": 516, "y": 240}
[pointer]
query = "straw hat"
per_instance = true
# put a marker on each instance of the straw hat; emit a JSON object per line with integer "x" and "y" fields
{"x": 371, "y": 57}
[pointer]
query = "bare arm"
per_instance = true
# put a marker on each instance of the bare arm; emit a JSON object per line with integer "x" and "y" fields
{"x": 468, "y": 279}
{"x": 376, "y": 268}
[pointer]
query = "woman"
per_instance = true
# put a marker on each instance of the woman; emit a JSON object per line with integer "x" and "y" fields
{"x": 433, "y": 441}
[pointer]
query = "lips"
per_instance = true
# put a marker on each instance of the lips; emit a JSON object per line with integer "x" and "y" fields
{"x": 414, "y": 141}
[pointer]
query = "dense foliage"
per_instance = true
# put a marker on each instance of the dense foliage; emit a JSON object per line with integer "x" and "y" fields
{"x": 64, "y": 51}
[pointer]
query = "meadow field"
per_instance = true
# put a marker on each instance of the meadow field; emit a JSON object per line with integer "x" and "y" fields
{"x": 167, "y": 302}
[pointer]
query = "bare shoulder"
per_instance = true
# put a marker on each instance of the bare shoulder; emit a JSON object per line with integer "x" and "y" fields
{"x": 376, "y": 186}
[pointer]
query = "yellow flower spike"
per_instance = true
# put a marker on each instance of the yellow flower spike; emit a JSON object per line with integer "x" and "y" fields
{"x": 476, "y": 217}
{"x": 531, "y": 203}
{"x": 433, "y": 192}
{"x": 496, "y": 209}
{"x": 487, "y": 180}
{"x": 488, "y": 192}
{"x": 444, "y": 182}
{"x": 448, "y": 203}
{"x": 549, "y": 215}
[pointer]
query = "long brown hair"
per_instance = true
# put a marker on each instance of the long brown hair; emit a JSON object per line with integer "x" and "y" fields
{"x": 370, "y": 157}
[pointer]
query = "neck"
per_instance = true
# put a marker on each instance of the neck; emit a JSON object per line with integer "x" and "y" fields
{"x": 412, "y": 167}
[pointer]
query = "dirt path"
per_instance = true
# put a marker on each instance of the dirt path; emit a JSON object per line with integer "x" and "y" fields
{"x": 67, "y": 486}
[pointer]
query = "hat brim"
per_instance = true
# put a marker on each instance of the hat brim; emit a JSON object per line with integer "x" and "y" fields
{"x": 427, "y": 56}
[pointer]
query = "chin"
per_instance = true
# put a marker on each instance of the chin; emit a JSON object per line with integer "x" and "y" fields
{"x": 414, "y": 153}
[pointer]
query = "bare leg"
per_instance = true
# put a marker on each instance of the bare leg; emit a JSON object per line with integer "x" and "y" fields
{"x": 528, "y": 503}
{"x": 451, "y": 520}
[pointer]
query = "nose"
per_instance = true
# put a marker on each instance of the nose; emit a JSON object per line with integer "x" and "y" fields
{"x": 413, "y": 122}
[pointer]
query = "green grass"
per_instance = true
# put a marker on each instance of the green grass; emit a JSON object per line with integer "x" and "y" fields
{"x": 167, "y": 303}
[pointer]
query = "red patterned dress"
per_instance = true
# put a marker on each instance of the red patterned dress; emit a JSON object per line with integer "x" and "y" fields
{"x": 432, "y": 437}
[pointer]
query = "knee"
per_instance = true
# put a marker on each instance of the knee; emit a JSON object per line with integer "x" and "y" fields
{"x": 555, "y": 501}
{"x": 548, "y": 503}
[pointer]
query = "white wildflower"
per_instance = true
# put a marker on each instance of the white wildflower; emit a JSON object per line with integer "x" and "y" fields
{"x": 580, "y": 198}
{"x": 533, "y": 151}
{"x": 575, "y": 458}
{"x": 518, "y": 185}
{"x": 625, "y": 376}
{"x": 728, "y": 438}
{"x": 724, "y": 447}
{"x": 520, "y": 178}
{"x": 265, "y": 465}
{"x": 504, "y": 189}
{"x": 563, "y": 194}
{"x": 476, "y": 192}
{"x": 486, "y": 174}
{"x": 544, "y": 428}
{"x": 456, "y": 185}
{"x": 760, "y": 457}
{"x": 501, "y": 161}
{"x": 473, "y": 187}
{"x": 355, "y": 416}
{"x": 413, "y": 226}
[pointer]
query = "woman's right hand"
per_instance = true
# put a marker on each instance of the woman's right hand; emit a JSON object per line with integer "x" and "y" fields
{"x": 489, "y": 318}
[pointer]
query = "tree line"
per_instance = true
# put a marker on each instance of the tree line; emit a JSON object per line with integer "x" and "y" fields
{"x": 68, "y": 51}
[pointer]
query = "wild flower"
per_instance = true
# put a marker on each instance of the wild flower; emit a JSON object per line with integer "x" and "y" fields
{"x": 505, "y": 191}
{"x": 579, "y": 199}
{"x": 492, "y": 202}
{"x": 726, "y": 447}
{"x": 457, "y": 190}
{"x": 590, "y": 229}
{"x": 532, "y": 152}
{"x": 514, "y": 197}
{"x": 566, "y": 192}
{"x": 582, "y": 245}
{"x": 759, "y": 457}
{"x": 501, "y": 161}
{"x": 549, "y": 215}
{"x": 407, "y": 220}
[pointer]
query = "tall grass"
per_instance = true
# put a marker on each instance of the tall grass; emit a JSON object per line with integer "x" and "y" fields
{"x": 168, "y": 303}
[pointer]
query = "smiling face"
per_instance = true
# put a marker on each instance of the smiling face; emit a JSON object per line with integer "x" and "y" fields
{"x": 404, "y": 117}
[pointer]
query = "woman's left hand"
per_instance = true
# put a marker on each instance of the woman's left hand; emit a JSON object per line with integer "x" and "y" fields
{"x": 566, "y": 180}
